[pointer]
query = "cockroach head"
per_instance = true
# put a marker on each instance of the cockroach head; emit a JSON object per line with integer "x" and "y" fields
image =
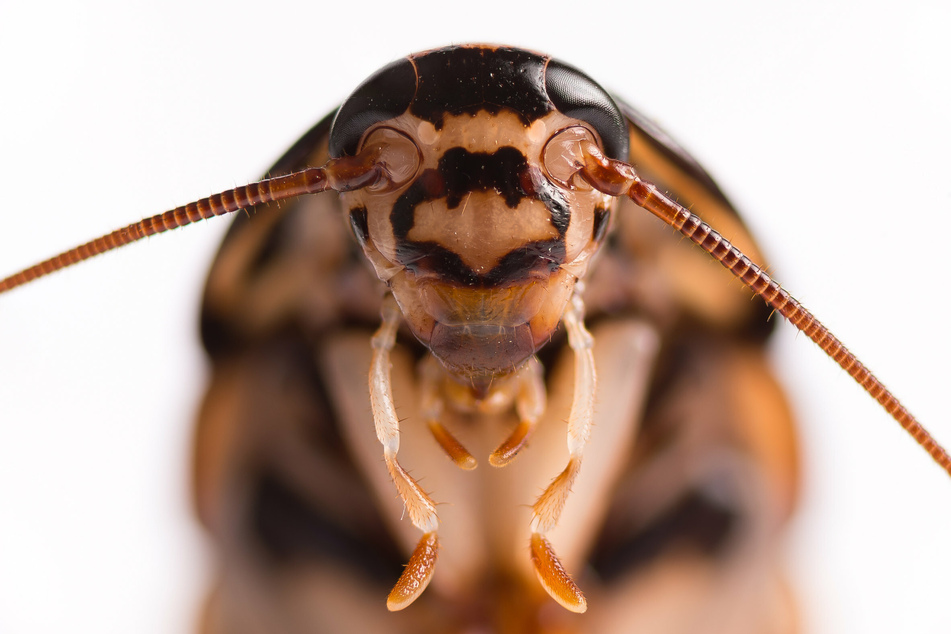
{"x": 484, "y": 225}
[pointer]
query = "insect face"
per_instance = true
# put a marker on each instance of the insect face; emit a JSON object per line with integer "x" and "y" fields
{"x": 484, "y": 236}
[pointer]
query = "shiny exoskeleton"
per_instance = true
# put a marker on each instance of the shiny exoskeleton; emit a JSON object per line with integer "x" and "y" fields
{"x": 482, "y": 250}
{"x": 485, "y": 238}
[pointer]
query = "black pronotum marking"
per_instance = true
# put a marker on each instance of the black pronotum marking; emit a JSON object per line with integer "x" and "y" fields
{"x": 467, "y": 80}
{"x": 384, "y": 95}
{"x": 577, "y": 95}
{"x": 459, "y": 80}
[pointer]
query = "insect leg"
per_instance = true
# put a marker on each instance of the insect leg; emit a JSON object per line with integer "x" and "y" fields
{"x": 547, "y": 509}
{"x": 530, "y": 402}
{"x": 419, "y": 506}
{"x": 432, "y": 407}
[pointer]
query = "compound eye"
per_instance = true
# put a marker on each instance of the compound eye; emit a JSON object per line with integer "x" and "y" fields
{"x": 399, "y": 155}
{"x": 563, "y": 157}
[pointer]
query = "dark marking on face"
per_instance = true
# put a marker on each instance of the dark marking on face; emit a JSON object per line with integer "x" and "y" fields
{"x": 601, "y": 217}
{"x": 461, "y": 172}
{"x": 402, "y": 216}
{"x": 543, "y": 257}
{"x": 465, "y": 172}
{"x": 536, "y": 186}
{"x": 358, "y": 222}
{"x": 434, "y": 259}
{"x": 539, "y": 258}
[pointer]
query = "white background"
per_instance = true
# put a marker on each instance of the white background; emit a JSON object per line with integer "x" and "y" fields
{"x": 829, "y": 123}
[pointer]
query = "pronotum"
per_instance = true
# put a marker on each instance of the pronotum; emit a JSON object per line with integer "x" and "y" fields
{"x": 861, "y": 183}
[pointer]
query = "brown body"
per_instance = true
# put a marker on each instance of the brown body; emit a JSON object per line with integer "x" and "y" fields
{"x": 754, "y": 137}
{"x": 675, "y": 519}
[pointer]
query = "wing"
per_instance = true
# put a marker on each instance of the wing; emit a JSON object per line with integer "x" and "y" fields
{"x": 274, "y": 482}
{"x": 698, "y": 511}
{"x": 667, "y": 277}
{"x": 283, "y": 265}
{"x": 282, "y": 487}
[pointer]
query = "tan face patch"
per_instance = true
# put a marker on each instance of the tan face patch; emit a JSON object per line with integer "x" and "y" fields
{"x": 482, "y": 132}
{"x": 482, "y": 229}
